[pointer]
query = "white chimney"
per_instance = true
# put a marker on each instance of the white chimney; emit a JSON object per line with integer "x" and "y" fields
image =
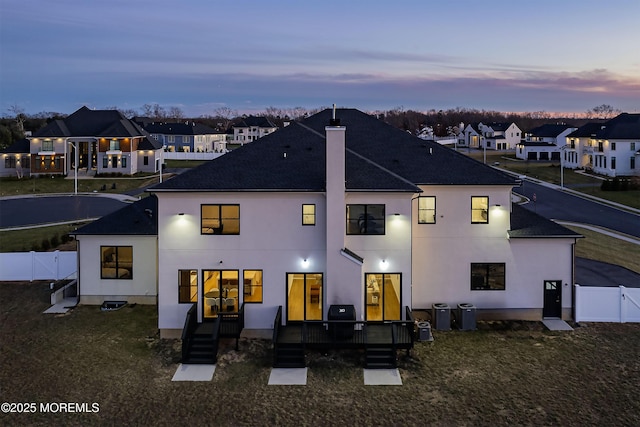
{"x": 336, "y": 209}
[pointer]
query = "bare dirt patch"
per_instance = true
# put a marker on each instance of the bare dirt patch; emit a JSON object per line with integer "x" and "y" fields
{"x": 505, "y": 373}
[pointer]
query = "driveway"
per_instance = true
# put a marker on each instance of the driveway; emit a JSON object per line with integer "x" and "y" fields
{"x": 26, "y": 211}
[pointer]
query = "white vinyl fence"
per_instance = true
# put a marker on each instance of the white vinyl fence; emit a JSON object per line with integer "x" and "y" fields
{"x": 595, "y": 304}
{"x": 177, "y": 155}
{"x": 21, "y": 266}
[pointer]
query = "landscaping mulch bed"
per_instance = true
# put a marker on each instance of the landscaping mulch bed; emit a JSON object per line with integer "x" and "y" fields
{"x": 504, "y": 373}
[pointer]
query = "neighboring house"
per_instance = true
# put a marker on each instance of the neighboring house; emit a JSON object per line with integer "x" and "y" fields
{"x": 96, "y": 141}
{"x": 611, "y": 148}
{"x": 188, "y": 137}
{"x": 472, "y": 136}
{"x": 349, "y": 211}
{"x": 15, "y": 160}
{"x": 500, "y": 136}
{"x": 544, "y": 142}
{"x": 252, "y": 128}
{"x": 117, "y": 255}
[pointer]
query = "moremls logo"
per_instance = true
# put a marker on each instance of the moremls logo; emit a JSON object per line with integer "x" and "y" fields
{"x": 69, "y": 407}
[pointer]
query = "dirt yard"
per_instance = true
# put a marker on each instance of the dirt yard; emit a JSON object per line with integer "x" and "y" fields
{"x": 505, "y": 373}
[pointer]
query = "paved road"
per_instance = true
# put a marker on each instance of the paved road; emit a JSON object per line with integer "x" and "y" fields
{"x": 16, "y": 212}
{"x": 554, "y": 204}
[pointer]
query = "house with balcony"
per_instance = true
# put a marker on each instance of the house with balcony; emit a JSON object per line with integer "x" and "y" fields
{"x": 499, "y": 135}
{"x": 611, "y": 148}
{"x": 93, "y": 141}
{"x": 188, "y": 137}
{"x": 544, "y": 142}
{"x": 252, "y": 128}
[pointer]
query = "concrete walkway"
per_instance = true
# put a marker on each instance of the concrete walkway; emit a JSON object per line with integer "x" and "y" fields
{"x": 62, "y": 307}
{"x": 556, "y": 325}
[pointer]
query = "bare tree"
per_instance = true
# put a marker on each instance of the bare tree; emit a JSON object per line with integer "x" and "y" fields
{"x": 175, "y": 113}
{"x": 604, "y": 111}
{"x": 18, "y": 113}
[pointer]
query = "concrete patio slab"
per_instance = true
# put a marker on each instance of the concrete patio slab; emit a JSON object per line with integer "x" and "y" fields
{"x": 194, "y": 373}
{"x": 556, "y": 325}
{"x": 288, "y": 376}
{"x": 382, "y": 377}
{"x": 62, "y": 307}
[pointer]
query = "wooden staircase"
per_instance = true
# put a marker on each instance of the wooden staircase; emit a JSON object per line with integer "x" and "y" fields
{"x": 199, "y": 341}
{"x": 289, "y": 356}
{"x": 380, "y": 358}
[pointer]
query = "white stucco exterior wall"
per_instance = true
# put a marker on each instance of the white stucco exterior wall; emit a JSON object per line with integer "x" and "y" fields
{"x": 141, "y": 288}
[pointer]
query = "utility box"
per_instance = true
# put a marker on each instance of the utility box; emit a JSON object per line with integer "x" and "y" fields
{"x": 441, "y": 317}
{"x": 342, "y": 330}
{"x": 466, "y": 317}
{"x": 424, "y": 331}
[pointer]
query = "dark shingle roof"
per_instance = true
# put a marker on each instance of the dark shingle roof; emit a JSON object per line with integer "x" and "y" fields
{"x": 548, "y": 130}
{"x": 499, "y": 126}
{"x": 525, "y": 223}
{"x": 190, "y": 128}
{"x": 139, "y": 218}
{"x": 379, "y": 157}
{"x": 587, "y": 130}
{"x": 96, "y": 123}
{"x": 18, "y": 147}
{"x": 624, "y": 126}
{"x": 253, "y": 121}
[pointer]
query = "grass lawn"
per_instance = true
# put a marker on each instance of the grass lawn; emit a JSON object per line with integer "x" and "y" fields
{"x": 27, "y": 240}
{"x": 601, "y": 247}
{"x": 550, "y": 172}
{"x": 513, "y": 373}
{"x": 14, "y": 186}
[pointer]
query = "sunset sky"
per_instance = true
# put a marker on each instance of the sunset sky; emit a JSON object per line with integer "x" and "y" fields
{"x": 542, "y": 55}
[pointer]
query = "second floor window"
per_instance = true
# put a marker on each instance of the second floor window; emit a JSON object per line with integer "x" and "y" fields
{"x": 114, "y": 145}
{"x": 308, "y": 214}
{"x": 220, "y": 219}
{"x": 427, "y": 210}
{"x": 479, "y": 210}
{"x": 365, "y": 219}
{"x": 47, "y": 145}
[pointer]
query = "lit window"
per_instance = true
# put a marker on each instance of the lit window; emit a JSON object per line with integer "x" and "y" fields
{"x": 114, "y": 145}
{"x": 187, "y": 286}
{"x": 220, "y": 219}
{"x": 479, "y": 209}
{"x": 427, "y": 210}
{"x": 308, "y": 214}
{"x": 116, "y": 262}
{"x": 252, "y": 286}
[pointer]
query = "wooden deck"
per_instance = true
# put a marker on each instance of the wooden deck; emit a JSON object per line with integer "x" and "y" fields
{"x": 380, "y": 340}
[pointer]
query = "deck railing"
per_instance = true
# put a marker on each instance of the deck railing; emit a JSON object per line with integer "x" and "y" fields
{"x": 190, "y": 323}
{"x": 347, "y": 333}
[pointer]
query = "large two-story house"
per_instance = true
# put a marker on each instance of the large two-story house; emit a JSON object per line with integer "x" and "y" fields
{"x": 251, "y": 128}
{"x": 93, "y": 141}
{"x": 499, "y": 135}
{"x": 611, "y": 148}
{"x": 544, "y": 142}
{"x": 188, "y": 136}
{"x": 350, "y": 211}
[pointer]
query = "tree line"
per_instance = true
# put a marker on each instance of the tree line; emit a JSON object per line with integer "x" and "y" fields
{"x": 443, "y": 122}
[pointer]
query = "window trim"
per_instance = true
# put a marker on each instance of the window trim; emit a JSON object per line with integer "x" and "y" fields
{"x": 487, "y": 288}
{"x": 435, "y": 207}
{"x": 472, "y": 210}
{"x": 180, "y": 285}
{"x": 365, "y": 205}
{"x": 117, "y": 262}
{"x": 220, "y": 206}
{"x": 261, "y": 285}
{"x": 311, "y": 215}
